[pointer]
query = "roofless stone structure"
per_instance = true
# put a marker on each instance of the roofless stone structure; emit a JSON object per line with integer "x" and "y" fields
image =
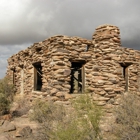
{"x": 61, "y": 66}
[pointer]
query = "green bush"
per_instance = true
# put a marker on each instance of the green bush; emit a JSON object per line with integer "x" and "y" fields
{"x": 128, "y": 118}
{"x": 23, "y": 106}
{"x": 4, "y": 104}
{"x": 6, "y": 95}
{"x": 90, "y": 115}
{"x": 77, "y": 122}
{"x": 7, "y": 88}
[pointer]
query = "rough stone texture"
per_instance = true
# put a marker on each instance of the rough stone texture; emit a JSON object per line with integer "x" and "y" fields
{"x": 108, "y": 67}
{"x": 5, "y": 137}
{"x": 8, "y": 126}
{"x": 23, "y": 132}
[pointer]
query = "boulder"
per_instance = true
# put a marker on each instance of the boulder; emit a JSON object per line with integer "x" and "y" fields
{"x": 5, "y": 137}
{"x": 23, "y": 132}
{"x": 8, "y": 126}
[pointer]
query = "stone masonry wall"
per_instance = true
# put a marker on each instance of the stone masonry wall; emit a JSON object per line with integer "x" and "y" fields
{"x": 108, "y": 66}
{"x": 55, "y": 55}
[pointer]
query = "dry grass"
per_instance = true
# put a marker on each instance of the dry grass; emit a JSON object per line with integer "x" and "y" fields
{"x": 128, "y": 118}
{"x": 81, "y": 123}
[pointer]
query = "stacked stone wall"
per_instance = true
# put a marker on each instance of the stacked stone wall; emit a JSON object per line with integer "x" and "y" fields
{"x": 55, "y": 55}
{"x": 111, "y": 59}
{"x": 104, "y": 61}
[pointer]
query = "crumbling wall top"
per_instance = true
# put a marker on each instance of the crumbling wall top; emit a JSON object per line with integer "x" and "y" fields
{"x": 107, "y": 34}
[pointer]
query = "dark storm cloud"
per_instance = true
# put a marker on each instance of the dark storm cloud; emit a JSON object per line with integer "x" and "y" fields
{"x": 37, "y": 20}
{"x": 25, "y": 22}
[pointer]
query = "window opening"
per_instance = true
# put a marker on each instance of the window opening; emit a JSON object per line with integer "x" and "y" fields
{"x": 125, "y": 74}
{"x": 22, "y": 80}
{"x": 87, "y": 48}
{"x": 38, "y": 49}
{"x": 14, "y": 77}
{"x": 26, "y": 54}
{"x": 37, "y": 76}
{"x": 77, "y": 77}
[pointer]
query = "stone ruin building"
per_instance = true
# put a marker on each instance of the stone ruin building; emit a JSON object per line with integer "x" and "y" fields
{"x": 61, "y": 67}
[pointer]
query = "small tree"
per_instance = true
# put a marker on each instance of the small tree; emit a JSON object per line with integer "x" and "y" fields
{"x": 7, "y": 88}
{"x": 6, "y": 95}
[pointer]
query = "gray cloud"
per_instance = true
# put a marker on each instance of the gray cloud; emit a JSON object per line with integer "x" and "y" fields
{"x": 3, "y": 65}
{"x": 25, "y": 22}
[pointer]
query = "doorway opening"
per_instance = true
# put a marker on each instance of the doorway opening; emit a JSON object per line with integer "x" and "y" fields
{"x": 37, "y": 76}
{"x": 77, "y": 77}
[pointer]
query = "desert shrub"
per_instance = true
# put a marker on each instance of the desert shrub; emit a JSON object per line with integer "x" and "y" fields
{"x": 6, "y": 95}
{"x": 77, "y": 122}
{"x": 90, "y": 114}
{"x": 128, "y": 118}
{"x": 4, "y": 104}
{"x": 49, "y": 116}
{"x": 20, "y": 106}
{"x": 7, "y": 88}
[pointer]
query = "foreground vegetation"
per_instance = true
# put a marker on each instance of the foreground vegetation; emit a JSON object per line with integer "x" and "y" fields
{"x": 6, "y": 95}
{"x": 77, "y": 121}
{"x": 127, "y": 125}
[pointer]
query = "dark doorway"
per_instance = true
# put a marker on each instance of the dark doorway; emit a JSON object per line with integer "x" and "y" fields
{"x": 77, "y": 77}
{"x": 37, "y": 76}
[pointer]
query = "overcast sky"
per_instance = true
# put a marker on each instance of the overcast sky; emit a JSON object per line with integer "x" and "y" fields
{"x": 23, "y": 22}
